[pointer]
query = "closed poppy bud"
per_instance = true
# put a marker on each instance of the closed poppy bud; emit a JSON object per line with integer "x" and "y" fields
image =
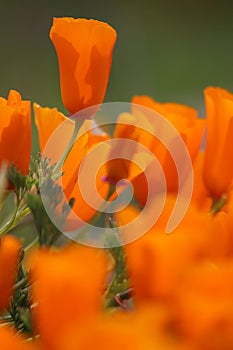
{"x": 218, "y": 165}
{"x": 15, "y": 131}
{"x": 84, "y": 49}
{"x": 9, "y": 257}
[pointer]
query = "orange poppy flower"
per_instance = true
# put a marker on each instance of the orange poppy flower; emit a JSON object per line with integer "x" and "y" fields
{"x": 84, "y": 49}
{"x": 218, "y": 165}
{"x": 55, "y": 131}
{"x": 188, "y": 126}
{"x": 49, "y": 121}
{"x": 68, "y": 289}
{"x": 183, "y": 118}
{"x": 139, "y": 127}
{"x": 15, "y": 131}
{"x": 9, "y": 256}
{"x": 125, "y": 129}
{"x": 156, "y": 261}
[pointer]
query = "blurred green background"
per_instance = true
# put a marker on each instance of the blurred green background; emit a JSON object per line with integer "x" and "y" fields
{"x": 170, "y": 50}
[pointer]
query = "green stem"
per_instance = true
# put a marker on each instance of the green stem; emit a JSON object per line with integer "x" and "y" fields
{"x": 22, "y": 283}
{"x": 218, "y": 204}
{"x": 11, "y": 221}
{"x": 77, "y": 127}
{"x": 32, "y": 244}
{"x": 18, "y": 214}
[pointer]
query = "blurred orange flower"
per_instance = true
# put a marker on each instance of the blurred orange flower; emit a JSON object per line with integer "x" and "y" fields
{"x": 139, "y": 126}
{"x": 84, "y": 49}
{"x": 189, "y": 127}
{"x": 204, "y": 305}
{"x": 183, "y": 118}
{"x": 110, "y": 332}
{"x": 67, "y": 289}
{"x": 15, "y": 131}
{"x": 9, "y": 257}
{"x": 156, "y": 261}
{"x": 11, "y": 340}
{"x": 218, "y": 165}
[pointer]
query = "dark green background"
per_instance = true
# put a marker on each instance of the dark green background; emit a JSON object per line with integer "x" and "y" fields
{"x": 170, "y": 50}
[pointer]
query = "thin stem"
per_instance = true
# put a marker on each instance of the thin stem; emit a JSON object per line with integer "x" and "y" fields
{"x": 218, "y": 204}
{"x": 10, "y": 222}
{"x": 32, "y": 244}
{"x": 77, "y": 127}
{"x": 16, "y": 217}
{"x": 22, "y": 283}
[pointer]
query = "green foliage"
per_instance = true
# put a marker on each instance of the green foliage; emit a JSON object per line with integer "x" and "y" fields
{"x": 42, "y": 172}
{"x": 19, "y": 314}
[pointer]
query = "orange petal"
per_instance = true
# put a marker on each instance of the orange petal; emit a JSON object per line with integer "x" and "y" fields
{"x": 188, "y": 126}
{"x": 47, "y": 120}
{"x": 200, "y": 194}
{"x": 218, "y": 169}
{"x": 67, "y": 289}
{"x": 15, "y": 131}
{"x": 110, "y": 332}
{"x": 9, "y": 257}
{"x": 204, "y": 304}
{"x": 179, "y": 115}
{"x": 157, "y": 261}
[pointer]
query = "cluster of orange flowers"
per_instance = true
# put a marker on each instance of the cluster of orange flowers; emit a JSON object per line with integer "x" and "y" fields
{"x": 183, "y": 282}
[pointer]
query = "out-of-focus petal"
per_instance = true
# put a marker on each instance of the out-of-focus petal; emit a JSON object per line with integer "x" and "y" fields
{"x": 9, "y": 257}
{"x": 67, "y": 287}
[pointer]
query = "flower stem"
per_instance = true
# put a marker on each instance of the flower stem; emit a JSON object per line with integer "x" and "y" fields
{"x": 77, "y": 127}
{"x": 19, "y": 213}
{"x": 218, "y": 204}
{"x": 31, "y": 244}
{"x": 22, "y": 283}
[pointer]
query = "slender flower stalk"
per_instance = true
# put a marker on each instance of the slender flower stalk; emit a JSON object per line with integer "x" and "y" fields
{"x": 77, "y": 126}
